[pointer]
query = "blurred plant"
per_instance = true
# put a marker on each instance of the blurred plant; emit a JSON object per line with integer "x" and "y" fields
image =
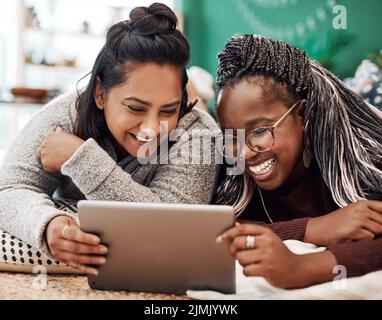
{"x": 327, "y": 48}
{"x": 336, "y": 43}
{"x": 376, "y": 57}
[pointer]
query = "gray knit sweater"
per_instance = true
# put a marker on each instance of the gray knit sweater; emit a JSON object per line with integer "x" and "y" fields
{"x": 28, "y": 193}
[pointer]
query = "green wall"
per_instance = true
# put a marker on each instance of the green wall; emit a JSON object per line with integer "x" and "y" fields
{"x": 210, "y": 23}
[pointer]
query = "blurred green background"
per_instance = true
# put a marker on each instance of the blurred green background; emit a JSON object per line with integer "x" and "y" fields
{"x": 306, "y": 24}
{"x": 208, "y": 24}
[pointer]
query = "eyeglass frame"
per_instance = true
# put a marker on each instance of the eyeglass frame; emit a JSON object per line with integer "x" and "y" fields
{"x": 271, "y": 128}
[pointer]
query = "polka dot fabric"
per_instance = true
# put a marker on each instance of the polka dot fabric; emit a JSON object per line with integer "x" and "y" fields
{"x": 21, "y": 255}
{"x": 16, "y": 251}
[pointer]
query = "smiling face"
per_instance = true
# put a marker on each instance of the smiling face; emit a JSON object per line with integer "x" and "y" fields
{"x": 246, "y": 105}
{"x": 134, "y": 110}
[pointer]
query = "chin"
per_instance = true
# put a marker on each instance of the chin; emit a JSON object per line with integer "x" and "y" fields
{"x": 268, "y": 179}
{"x": 147, "y": 154}
{"x": 133, "y": 153}
{"x": 130, "y": 146}
{"x": 130, "y": 149}
{"x": 269, "y": 185}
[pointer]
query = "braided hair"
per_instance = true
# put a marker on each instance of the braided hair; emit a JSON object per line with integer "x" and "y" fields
{"x": 343, "y": 132}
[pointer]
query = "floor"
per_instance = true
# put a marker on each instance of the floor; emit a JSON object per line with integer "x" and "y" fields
{"x": 62, "y": 287}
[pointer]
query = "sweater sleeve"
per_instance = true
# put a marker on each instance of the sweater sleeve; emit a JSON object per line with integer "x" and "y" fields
{"x": 25, "y": 188}
{"x": 180, "y": 182}
{"x": 359, "y": 257}
{"x": 292, "y": 229}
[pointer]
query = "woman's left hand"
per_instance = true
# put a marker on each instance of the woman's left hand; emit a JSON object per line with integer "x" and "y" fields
{"x": 269, "y": 257}
{"x": 57, "y": 148}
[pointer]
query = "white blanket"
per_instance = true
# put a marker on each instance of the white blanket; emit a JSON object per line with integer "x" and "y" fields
{"x": 368, "y": 286}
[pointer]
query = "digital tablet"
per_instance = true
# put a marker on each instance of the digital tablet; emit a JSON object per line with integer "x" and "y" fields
{"x": 167, "y": 248}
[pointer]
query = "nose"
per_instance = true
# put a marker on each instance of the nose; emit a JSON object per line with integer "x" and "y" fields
{"x": 150, "y": 126}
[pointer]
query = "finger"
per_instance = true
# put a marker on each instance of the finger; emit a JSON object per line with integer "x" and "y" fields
{"x": 232, "y": 249}
{"x": 375, "y": 205}
{"x": 254, "y": 270}
{"x": 74, "y": 233}
{"x": 59, "y": 129}
{"x": 373, "y": 227}
{"x": 82, "y": 268}
{"x": 81, "y": 258}
{"x": 246, "y": 257}
{"x": 41, "y": 147}
{"x": 220, "y": 239}
{"x": 244, "y": 229}
{"x": 364, "y": 234}
{"x": 77, "y": 247}
{"x": 376, "y": 216}
{"x": 240, "y": 243}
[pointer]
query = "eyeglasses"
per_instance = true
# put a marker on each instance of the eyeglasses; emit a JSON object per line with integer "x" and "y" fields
{"x": 261, "y": 139}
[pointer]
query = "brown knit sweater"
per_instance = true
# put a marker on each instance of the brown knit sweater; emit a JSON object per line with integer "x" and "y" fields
{"x": 291, "y": 213}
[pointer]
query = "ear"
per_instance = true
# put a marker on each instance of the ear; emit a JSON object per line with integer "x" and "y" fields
{"x": 99, "y": 95}
{"x": 301, "y": 108}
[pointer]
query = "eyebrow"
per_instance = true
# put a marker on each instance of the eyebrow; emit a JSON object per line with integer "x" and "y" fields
{"x": 254, "y": 122}
{"x": 167, "y": 105}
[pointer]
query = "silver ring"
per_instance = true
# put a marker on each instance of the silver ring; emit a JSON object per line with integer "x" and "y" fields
{"x": 250, "y": 242}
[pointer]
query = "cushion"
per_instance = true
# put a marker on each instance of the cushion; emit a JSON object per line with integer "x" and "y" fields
{"x": 19, "y": 256}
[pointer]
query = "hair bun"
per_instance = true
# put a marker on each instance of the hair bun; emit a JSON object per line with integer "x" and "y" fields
{"x": 155, "y": 19}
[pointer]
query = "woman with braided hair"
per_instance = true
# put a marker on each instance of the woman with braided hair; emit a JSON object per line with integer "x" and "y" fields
{"x": 313, "y": 156}
{"x": 136, "y": 96}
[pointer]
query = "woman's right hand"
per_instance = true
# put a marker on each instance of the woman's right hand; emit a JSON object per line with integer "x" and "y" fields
{"x": 357, "y": 221}
{"x": 69, "y": 244}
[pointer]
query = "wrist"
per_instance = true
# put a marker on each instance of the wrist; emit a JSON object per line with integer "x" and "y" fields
{"x": 49, "y": 225}
{"x": 71, "y": 150}
{"x": 315, "y": 268}
{"x": 312, "y": 233}
{"x": 75, "y": 146}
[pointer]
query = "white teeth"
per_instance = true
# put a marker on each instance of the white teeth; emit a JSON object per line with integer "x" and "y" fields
{"x": 263, "y": 168}
{"x": 144, "y": 139}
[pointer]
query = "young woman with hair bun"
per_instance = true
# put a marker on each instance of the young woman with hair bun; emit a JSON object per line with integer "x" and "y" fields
{"x": 86, "y": 145}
